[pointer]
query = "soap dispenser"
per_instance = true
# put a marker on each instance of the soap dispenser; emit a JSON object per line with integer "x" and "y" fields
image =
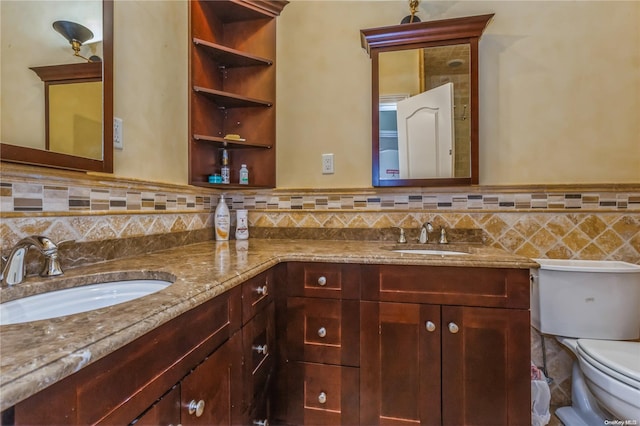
{"x": 222, "y": 222}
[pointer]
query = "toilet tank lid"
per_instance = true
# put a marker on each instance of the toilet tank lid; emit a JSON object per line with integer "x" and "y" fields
{"x": 609, "y": 266}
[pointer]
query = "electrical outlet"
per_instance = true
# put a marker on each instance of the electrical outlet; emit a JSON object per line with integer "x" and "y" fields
{"x": 118, "y": 142}
{"x": 327, "y": 164}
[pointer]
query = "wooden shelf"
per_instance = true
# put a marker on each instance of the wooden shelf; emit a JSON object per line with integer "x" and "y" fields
{"x": 243, "y": 10}
{"x": 234, "y": 186}
{"x": 228, "y": 57}
{"x": 225, "y": 70}
{"x": 229, "y": 144}
{"x": 231, "y": 100}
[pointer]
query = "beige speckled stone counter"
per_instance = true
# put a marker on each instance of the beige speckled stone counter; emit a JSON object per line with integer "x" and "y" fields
{"x": 38, "y": 354}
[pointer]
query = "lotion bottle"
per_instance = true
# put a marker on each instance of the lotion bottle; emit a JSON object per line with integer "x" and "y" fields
{"x": 222, "y": 222}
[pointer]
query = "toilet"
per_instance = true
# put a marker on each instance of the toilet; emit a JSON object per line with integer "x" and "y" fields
{"x": 593, "y": 308}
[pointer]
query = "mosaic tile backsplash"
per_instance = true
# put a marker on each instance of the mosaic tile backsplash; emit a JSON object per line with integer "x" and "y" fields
{"x": 118, "y": 218}
{"x": 43, "y": 197}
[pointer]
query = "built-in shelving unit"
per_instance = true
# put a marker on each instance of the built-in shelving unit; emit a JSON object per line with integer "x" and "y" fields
{"x": 232, "y": 81}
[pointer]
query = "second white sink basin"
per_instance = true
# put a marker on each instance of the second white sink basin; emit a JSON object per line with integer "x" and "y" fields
{"x": 74, "y": 300}
{"x": 431, "y": 252}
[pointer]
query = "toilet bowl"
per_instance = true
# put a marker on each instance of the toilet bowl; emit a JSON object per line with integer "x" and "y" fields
{"x": 593, "y": 303}
{"x": 609, "y": 371}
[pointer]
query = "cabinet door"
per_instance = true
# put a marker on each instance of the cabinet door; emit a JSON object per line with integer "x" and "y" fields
{"x": 165, "y": 412}
{"x": 485, "y": 366}
{"x": 212, "y": 393}
{"x": 400, "y": 364}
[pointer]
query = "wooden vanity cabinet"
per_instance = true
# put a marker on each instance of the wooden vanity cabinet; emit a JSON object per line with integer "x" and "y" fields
{"x": 444, "y": 346}
{"x": 232, "y": 384}
{"x": 209, "y": 395}
{"x": 120, "y": 387}
{"x": 232, "y": 88}
{"x": 322, "y": 344}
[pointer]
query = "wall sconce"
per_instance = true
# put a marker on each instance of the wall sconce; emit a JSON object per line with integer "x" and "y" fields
{"x": 75, "y": 34}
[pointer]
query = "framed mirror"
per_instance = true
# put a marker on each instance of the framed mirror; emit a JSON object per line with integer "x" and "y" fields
{"x": 57, "y": 108}
{"x": 425, "y": 102}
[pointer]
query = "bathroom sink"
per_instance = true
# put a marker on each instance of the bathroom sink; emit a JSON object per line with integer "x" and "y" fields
{"x": 74, "y": 300}
{"x": 431, "y": 252}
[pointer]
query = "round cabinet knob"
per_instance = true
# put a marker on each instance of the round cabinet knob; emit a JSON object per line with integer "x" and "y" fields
{"x": 264, "y": 422}
{"x": 453, "y": 327}
{"x": 263, "y": 290}
{"x": 430, "y": 326}
{"x": 322, "y": 332}
{"x": 322, "y": 281}
{"x": 322, "y": 398}
{"x": 261, "y": 349}
{"x": 196, "y": 408}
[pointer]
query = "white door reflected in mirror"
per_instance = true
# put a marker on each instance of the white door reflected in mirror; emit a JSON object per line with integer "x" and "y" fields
{"x": 417, "y": 134}
{"x": 425, "y": 134}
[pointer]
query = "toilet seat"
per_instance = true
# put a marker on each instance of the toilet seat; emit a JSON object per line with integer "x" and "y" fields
{"x": 619, "y": 360}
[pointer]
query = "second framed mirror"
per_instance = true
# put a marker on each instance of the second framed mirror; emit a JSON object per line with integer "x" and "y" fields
{"x": 425, "y": 102}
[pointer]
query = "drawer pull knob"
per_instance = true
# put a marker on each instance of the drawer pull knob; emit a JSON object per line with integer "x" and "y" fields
{"x": 261, "y": 349}
{"x": 262, "y": 290}
{"x": 430, "y": 326}
{"x": 322, "y": 332}
{"x": 453, "y": 327}
{"x": 196, "y": 408}
{"x": 322, "y": 398}
{"x": 322, "y": 281}
{"x": 264, "y": 422}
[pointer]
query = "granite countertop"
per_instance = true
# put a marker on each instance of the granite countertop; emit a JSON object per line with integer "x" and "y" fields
{"x": 40, "y": 353}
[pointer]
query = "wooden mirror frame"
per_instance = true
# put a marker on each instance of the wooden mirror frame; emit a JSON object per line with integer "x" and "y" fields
{"x": 41, "y": 157}
{"x": 419, "y": 35}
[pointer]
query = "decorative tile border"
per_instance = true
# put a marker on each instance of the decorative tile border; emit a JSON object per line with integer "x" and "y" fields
{"x": 39, "y": 197}
{"x": 26, "y": 197}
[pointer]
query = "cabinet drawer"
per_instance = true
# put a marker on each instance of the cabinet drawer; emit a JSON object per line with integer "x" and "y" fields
{"x": 334, "y": 281}
{"x": 259, "y": 344}
{"x": 490, "y": 287}
{"x": 256, "y": 294}
{"x": 323, "y": 394}
{"x": 323, "y": 330}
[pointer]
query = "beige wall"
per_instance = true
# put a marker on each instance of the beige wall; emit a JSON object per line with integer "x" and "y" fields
{"x": 27, "y": 39}
{"x": 150, "y": 89}
{"x": 560, "y": 89}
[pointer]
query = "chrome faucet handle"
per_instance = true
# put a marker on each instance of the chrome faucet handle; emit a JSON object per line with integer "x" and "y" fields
{"x": 52, "y": 267}
{"x": 443, "y": 236}
{"x": 401, "y": 239}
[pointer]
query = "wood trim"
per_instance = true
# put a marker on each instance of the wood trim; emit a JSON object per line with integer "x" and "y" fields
{"x": 85, "y": 71}
{"x": 424, "y": 32}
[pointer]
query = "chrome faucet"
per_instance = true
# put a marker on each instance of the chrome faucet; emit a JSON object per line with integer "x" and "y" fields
{"x": 443, "y": 236}
{"x": 14, "y": 271}
{"x": 424, "y": 232}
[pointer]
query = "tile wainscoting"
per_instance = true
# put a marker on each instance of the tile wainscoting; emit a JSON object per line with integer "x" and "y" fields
{"x": 109, "y": 218}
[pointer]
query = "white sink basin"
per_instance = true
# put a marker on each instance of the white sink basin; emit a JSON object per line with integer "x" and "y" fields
{"x": 75, "y": 300}
{"x": 431, "y": 252}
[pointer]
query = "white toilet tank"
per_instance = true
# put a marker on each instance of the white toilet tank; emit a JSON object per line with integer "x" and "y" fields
{"x": 586, "y": 299}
